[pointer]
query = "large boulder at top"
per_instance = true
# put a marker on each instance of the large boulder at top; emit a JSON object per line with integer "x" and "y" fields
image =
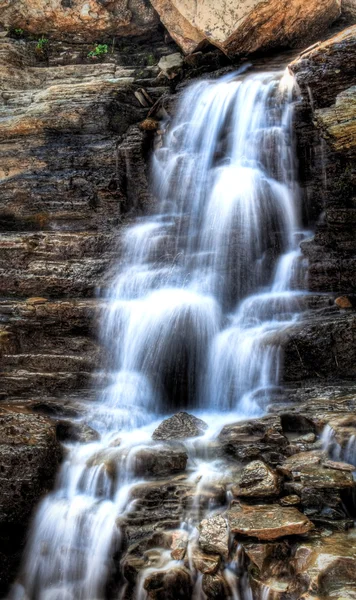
{"x": 239, "y": 27}
{"x": 180, "y": 426}
{"x": 84, "y": 19}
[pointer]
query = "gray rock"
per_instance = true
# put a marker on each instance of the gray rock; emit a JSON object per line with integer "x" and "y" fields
{"x": 180, "y": 426}
{"x": 171, "y": 65}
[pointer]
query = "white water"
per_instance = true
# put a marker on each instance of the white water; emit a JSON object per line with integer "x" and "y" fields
{"x": 194, "y": 318}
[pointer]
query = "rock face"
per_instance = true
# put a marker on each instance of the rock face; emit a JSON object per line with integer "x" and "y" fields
{"x": 29, "y": 458}
{"x": 180, "y": 426}
{"x": 83, "y": 19}
{"x": 245, "y": 26}
{"x": 325, "y": 74}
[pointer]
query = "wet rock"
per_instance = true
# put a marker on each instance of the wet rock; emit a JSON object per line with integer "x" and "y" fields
{"x": 156, "y": 505}
{"x": 214, "y": 536}
{"x": 241, "y": 28}
{"x": 248, "y": 440}
{"x": 82, "y": 433}
{"x": 170, "y": 584}
{"x": 327, "y": 68}
{"x": 267, "y": 522}
{"x": 204, "y": 562}
{"x": 171, "y": 65}
{"x": 179, "y": 544}
{"x": 328, "y": 565}
{"x": 29, "y": 458}
{"x": 180, "y": 426}
{"x": 215, "y": 587}
{"x": 257, "y": 480}
{"x": 160, "y": 461}
{"x": 292, "y": 500}
{"x": 152, "y": 461}
{"x": 322, "y": 348}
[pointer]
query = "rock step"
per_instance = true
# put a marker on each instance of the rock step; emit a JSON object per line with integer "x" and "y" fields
{"x": 64, "y": 316}
{"x": 19, "y": 382}
{"x": 55, "y": 362}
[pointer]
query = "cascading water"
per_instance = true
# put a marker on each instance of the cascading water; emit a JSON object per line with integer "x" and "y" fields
{"x": 193, "y": 319}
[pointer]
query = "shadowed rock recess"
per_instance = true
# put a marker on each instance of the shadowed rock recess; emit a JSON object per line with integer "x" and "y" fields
{"x": 203, "y": 504}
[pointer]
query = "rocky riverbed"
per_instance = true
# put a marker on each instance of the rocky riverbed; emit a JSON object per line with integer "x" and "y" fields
{"x": 76, "y": 135}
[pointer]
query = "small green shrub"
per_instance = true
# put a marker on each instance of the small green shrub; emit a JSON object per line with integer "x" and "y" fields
{"x": 151, "y": 60}
{"x": 19, "y": 31}
{"x": 41, "y": 44}
{"x": 98, "y": 51}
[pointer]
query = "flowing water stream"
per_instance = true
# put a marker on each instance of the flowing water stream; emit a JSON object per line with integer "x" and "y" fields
{"x": 206, "y": 285}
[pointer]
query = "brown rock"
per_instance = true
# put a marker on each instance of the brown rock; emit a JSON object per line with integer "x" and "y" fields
{"x": 149, "y": 125}
{"x": 267, "y": 522}
{"x": 243, "y": 27}
{"x": 36, "y": 300}
{"x": 328, "y": 564}
{"x": 179, "y": 544}
{"x": 215, "y": 587}
{"x": 163, "y": 585}
{"x": 83, "y": 19}
{"x": 257, "y": 480}
{"x": 343, "y": 302}
{"x": 204, "y": 562}
{"x": 292, "y": 500}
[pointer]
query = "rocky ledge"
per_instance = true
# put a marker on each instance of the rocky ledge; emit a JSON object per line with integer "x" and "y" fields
{"x": 29, "y": 459}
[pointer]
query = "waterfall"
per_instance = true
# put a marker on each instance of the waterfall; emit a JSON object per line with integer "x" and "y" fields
{"x": 206, "y": 285}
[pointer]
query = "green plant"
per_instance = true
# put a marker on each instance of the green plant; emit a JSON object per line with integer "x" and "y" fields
{"x": 19, "y": 31}
{"x": 41, "y": 44}
{"x": 98, "y": 51}
{"x": 151, "y": 60}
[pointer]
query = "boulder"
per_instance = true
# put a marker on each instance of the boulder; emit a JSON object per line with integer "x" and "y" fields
{"x": 204, "y": 562}
{"x": 257, "y": 481}
{"x": 328, "y": 565}
{"x": 171, "y": 65}
{"x": 156, "y": 461}
{"x": 267, "y": 522}
{"x": 180, "y": 426}
{"x": 169, "y": 584}
{"x": 245, "y": 26}
{"x": 215, "y": 587}
{"x": 82, "y": 433}
{"x": 81, "y": 19}
{"x": 214, "y": 536}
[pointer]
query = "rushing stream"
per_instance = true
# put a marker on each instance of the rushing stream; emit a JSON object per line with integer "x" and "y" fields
{"x": 205, "y": 287}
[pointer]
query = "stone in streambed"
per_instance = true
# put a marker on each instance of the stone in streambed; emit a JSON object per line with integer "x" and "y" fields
{"x": 180, "y": 426}
{"x": 214, "y": 536}
{"x": 152, "y": 461}
{"x": 68, "y": 431}
{"x": 204, "y": 562}
{"x": 169, "y": 584}
{"x": 257, "y": 481}
{"x": 267, "y": 522}
{"x": 215, "y": 587}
